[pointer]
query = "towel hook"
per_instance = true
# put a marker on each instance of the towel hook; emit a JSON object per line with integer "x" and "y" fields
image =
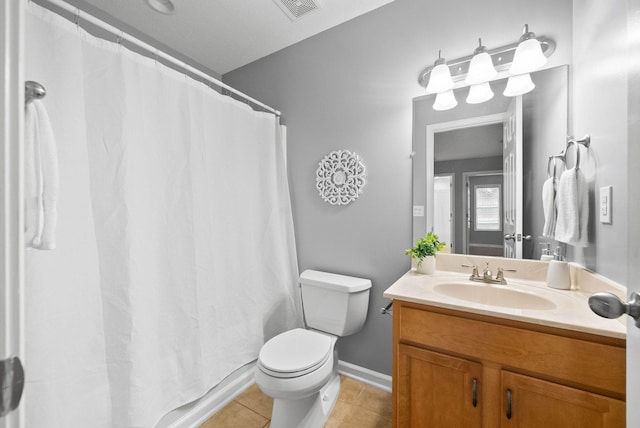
{"x": 585, "y": 141}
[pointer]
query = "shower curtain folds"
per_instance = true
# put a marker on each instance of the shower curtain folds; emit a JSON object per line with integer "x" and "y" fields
{"x": 175, "y": 258}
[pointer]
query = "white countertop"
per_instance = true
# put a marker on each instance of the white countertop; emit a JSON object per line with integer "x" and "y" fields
{"x": 569, "y": 309}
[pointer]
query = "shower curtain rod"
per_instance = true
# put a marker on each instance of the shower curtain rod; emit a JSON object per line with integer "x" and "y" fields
{"x": 121, "y": 35}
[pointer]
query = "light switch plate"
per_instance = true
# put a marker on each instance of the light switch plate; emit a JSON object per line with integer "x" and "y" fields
{"x": 418, "y": 210}
{"x": 605, "y": 204}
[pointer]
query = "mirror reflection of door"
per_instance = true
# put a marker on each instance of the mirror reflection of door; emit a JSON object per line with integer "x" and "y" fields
{"x": 443, "y": 209}
{"x": 512, "y": 157}
{"x": 484, "y": 214}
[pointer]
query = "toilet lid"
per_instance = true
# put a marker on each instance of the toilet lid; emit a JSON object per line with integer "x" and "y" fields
{"x": 295, "y": 351}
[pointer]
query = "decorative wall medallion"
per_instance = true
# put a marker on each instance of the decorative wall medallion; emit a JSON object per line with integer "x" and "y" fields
{"x": 340, "y": 177}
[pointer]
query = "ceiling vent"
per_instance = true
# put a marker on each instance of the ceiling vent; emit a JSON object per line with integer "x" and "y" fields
{"x": 295, "y": 9}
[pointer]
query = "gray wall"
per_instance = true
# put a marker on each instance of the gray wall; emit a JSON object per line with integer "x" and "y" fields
{"x": 352, "y": 87}
{"x": 600, "y": 107}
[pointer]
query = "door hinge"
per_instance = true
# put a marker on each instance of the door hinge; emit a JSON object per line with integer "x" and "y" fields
{"x": 12, "y": 378}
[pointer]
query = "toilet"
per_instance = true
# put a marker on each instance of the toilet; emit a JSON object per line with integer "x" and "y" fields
{"x": 298, "y": 368}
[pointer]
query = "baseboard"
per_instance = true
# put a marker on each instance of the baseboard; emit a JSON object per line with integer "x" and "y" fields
{"x": 370, "y": 377}
{"x": 194, "y": 414}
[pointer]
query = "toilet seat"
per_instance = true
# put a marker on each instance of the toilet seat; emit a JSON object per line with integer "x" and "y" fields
{"x": 295, "y": 353}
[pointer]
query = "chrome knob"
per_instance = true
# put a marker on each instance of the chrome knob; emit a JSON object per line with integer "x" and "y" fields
{"x": 609, "y": 305}
{"x": 527, "y": 237}
{"x": 508, "y": 237}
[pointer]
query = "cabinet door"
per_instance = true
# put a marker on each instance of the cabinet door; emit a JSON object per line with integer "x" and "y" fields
{"x": 534, "y": 403}
{"x": 437, "y": 391}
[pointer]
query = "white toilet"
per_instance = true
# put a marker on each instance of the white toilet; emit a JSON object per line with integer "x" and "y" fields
{"x": 298, "y": 367}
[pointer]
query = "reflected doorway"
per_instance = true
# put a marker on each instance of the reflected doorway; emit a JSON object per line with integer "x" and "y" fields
{"x": 484, "y": 195}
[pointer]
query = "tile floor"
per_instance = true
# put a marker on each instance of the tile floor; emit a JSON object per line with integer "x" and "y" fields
{"x": 358, "y": 406}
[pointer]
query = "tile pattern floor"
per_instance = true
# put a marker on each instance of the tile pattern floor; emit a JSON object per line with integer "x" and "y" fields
{"x": 358, "y": 406}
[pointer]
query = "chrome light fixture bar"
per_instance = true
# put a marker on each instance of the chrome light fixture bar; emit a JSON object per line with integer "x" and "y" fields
{"x": 502, "y": 58}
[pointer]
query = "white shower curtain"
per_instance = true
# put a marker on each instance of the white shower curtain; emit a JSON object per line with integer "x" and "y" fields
{"x": 175, "y": 255}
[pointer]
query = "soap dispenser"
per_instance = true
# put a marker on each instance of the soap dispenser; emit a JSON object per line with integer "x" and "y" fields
{"x": 546, "y": 253}
{"x": 558, "y": 275}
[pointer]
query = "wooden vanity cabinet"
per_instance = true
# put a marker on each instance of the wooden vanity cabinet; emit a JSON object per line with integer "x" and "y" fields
{"x": 457, "y": 369}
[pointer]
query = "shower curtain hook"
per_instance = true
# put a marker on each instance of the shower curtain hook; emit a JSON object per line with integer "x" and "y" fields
{"x": 119, "y": 38}
{"x": 77, "y": 17}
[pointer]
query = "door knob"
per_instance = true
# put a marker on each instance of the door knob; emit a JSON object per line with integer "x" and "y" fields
{"x": 508, "y": 237}
{"x": 609, "y": 305}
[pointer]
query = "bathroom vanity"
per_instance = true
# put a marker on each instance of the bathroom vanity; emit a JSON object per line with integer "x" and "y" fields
{"x": 469, "y": 354}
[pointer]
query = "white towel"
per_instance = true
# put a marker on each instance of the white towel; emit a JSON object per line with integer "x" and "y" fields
{"x": 41, "y": 178}
{"x": 573, "y": 208}
{"x": 549, "y": 208}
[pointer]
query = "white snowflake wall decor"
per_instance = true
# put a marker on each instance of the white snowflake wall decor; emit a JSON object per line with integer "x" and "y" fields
{"x": 340, "y": 177}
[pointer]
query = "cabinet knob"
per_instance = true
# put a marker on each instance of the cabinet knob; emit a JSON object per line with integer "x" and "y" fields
{"x": 509, "y": 402}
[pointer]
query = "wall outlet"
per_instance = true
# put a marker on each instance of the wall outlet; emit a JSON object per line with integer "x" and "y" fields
{"x": 418, "y": 210}
{"x": 605, "y": 204}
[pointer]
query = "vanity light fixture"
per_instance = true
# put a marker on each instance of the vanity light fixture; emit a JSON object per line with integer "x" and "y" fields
{"x": 505, "y": 61}
{"x": 440, "y": 76}
{"x": 163, "y": 6}
{"x": 445, "y": 101}
{"x": 529, "y": 56}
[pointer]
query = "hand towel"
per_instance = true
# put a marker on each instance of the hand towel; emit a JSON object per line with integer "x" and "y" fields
{"x": 573, "y": 208}
{"x": 32, "y": 178}
{"x": 549, "y": 208}
{"x": 41, "y": 178}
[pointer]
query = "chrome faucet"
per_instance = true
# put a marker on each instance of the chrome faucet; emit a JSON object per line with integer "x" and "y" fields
{"x": 487, "y": 275}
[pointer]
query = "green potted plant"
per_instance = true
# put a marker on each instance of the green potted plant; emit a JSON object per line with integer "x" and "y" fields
{"x": 425, "y": 252}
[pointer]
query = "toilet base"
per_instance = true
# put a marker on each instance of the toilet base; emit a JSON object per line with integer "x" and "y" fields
{"x": 307, "y": 412}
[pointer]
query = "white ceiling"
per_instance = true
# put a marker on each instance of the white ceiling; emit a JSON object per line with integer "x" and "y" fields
{"x": 223, "y": 35}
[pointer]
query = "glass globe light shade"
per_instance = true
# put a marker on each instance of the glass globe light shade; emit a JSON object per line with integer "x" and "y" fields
{"x": 528, "y": 57}
{"x": 479, "y": 93}
{"x": 445, "y": 101}
{"x": 440, "y": 78}
{"x": 518, "y": 85}
{"x": 481, "y": 69}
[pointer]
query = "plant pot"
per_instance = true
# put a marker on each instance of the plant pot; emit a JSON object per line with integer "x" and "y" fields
{"x": 428, "y": 265}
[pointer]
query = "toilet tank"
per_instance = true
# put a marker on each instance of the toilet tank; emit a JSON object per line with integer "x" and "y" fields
{"x": 333, "y": 303}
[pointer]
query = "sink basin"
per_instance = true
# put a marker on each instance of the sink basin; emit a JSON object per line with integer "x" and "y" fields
{"x": 494, "y": 295}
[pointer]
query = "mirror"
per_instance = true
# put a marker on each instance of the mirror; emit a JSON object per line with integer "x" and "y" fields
{"x": 458, "y": 174}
